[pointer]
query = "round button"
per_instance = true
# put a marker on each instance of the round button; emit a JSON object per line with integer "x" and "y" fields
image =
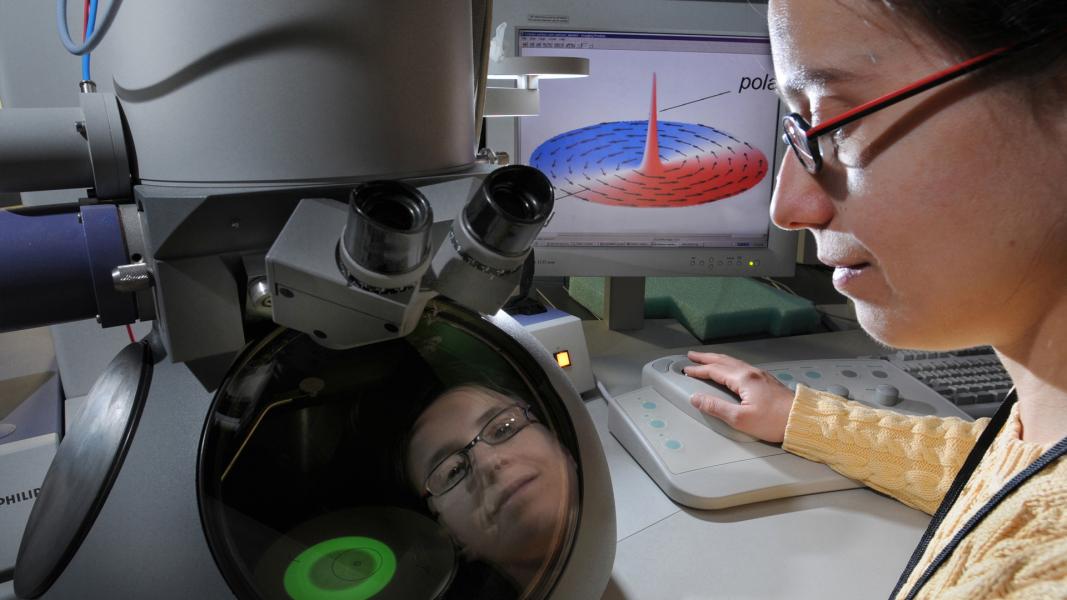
{"x": 886, "y": 395}
{"x": 648, "y": 405}
{"x": 880, "y": 374}
{"x": 784, "y": 376}
{"x": 813, "y": 375}
{"x": 673, "y": 445}
{"x": 658, "y": 424}
{"x": 849, "y": 373}
{"x": 838, "y": 390}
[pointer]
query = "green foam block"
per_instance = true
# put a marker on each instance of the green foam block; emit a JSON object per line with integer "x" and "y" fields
{"x": 712, "y": 307}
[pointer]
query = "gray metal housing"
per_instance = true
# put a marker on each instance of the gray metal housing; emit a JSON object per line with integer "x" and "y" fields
{"x": 292, "y": 91}
{"x": 148, "y": 540}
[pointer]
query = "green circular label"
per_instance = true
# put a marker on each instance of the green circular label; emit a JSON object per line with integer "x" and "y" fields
{"x": 349, "y": 568}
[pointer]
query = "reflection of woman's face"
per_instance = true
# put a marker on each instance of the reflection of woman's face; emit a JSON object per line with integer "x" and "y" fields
{"x": 510, "y": 509}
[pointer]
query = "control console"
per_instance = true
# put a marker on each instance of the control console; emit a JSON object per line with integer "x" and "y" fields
{"x": 701, "y": 462}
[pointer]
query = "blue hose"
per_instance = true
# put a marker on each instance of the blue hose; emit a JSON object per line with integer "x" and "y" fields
{"x": 89, "y": 27}
{"x": 91, "y": 41}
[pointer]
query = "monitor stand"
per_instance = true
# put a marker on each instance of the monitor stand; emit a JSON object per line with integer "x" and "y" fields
{"x": 624, "y": 303}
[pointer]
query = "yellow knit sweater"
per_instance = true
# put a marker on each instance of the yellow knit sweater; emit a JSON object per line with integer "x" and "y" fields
{"x": 1018, "y": 551}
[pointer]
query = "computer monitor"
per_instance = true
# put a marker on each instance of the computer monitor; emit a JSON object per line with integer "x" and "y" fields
{"x": 664, "y": 157}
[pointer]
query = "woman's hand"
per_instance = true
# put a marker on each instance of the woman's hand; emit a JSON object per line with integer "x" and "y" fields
{"x": 765, "y": 402}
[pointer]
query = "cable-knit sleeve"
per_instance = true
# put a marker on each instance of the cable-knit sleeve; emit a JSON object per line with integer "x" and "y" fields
{"x": 913, "y": 459}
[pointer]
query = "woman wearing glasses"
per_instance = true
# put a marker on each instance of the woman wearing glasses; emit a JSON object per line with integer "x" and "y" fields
{"x": 495, "y": 478}
{"x": 941, "y": 207}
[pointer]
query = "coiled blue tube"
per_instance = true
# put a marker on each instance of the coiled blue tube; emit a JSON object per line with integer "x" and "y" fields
{"x": 90, "y": 26}
{"x": 91, "y": 41}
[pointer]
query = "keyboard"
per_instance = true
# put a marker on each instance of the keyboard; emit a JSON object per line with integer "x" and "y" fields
{"x": 972, "y": 379}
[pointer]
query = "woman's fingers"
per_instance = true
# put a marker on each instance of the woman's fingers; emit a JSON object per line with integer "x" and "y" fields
{"x": 725, "y": 410}
{"x": 765, "y": 402}
{"x": 739, "y": 377}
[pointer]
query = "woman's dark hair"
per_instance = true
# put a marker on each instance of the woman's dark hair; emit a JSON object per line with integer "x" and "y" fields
{"x": 972, "y": 27}
{"x": 975, "y": 26}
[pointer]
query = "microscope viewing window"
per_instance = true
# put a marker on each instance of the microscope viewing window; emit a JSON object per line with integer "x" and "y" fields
{"x": 310, "y": 479}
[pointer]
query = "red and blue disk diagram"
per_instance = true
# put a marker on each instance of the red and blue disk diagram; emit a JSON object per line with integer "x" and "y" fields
{"x": 650, "y": 164}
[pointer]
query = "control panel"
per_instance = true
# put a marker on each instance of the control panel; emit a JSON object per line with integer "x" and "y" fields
{"x": 701, "y": 462}
{"x": 877, "y": 383}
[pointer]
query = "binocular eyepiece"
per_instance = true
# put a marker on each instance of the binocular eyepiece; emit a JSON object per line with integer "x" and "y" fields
{"x": 509, "y": 209}
{"x": 491, "y": 238}
{"x": 363, "y": 273}
{"x": 387, "y": 234}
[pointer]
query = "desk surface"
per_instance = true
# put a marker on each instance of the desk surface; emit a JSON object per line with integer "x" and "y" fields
{"x": 849, "y": 544}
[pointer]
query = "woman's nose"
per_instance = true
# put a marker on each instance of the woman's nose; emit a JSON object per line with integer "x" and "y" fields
{"x": 799, "y": 201}
{"x": 486, "y": 460}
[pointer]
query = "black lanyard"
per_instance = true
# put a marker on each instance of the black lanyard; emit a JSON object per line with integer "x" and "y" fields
{"x": 979, "y": 450}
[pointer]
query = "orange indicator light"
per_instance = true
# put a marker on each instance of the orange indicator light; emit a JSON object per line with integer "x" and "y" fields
{"x": 563, "y": 358}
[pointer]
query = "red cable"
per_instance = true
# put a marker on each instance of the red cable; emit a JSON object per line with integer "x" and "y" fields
{"x": 85, "y": 20}
{"x": 129, "y": 330}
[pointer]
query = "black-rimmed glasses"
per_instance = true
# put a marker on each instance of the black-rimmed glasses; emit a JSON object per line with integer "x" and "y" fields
{"x": 453, "y": 468}
{"x": 803, "y": 138}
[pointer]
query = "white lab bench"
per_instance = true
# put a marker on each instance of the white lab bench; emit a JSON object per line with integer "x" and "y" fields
{"x": 847, "y": 544}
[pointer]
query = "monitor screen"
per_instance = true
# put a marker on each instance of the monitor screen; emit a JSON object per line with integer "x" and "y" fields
{"x": 662, "y": 159}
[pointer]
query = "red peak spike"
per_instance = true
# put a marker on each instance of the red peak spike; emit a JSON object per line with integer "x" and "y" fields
{"x": 650, "y": 162}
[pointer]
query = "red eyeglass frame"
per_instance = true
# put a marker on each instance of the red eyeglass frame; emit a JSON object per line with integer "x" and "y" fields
{"x": 802, "y": 137}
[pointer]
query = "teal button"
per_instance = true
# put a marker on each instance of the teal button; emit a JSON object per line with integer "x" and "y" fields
{"x": 649, "y": 405}
{"x": 784, "y": 376}
{"x": 813, "y": 375}
{"x": 658, "y": 424}
{"x": 673, "y": 444}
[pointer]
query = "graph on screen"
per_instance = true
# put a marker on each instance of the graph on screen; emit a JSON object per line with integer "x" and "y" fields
{"x": 668, "y": 142}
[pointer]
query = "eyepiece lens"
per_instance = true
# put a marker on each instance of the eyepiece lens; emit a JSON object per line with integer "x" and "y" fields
{"x": 517, "y": 203}
{"x": 510, "y": 208}
{"x": 394, "y": 212}
{"x": 388, "y": 229}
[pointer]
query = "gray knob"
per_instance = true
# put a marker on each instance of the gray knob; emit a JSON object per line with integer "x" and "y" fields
{"x": 886, "y": 395}
{"x": 259, "y": 297}
{"x": 838, "y": 390}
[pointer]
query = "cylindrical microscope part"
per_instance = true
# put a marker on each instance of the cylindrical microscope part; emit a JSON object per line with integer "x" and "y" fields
{"x": 388, "y": 229}
{"x": 509, "y": 209}
{"x": 57, "y": 266}
{"x": 43, "y": 149}
{"x": 45, "y": 276}
{"x": 309, "y": 91}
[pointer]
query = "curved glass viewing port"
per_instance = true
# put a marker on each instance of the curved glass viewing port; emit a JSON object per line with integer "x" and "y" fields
{"x": 317, "y": 467}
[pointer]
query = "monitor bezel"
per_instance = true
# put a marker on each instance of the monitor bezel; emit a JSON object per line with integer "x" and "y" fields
{"x": 778, "y": 258}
